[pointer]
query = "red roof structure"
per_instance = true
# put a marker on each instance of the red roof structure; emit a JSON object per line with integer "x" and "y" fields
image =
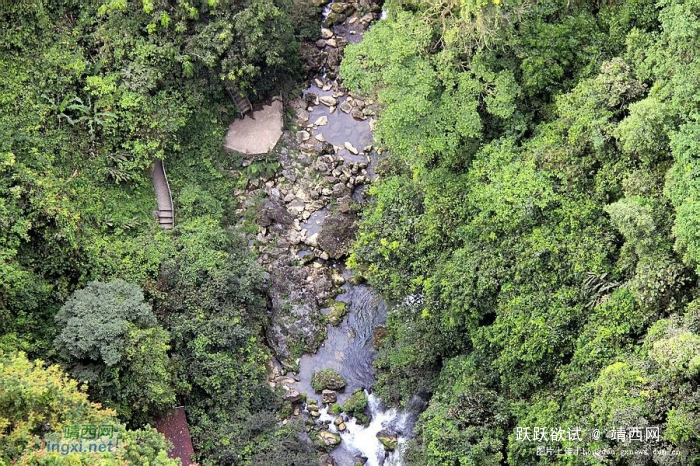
{"x": 173, "y": 425}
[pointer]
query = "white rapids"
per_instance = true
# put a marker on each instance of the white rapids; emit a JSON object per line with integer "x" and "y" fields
{"x": 360, "y": 440}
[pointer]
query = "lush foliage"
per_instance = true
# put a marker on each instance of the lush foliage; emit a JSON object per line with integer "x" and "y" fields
{"x": 210, "y": 298}
{"x": 540, "y": 204}
{"x": 91, "y": 92}
{"x": 36, "y": 400}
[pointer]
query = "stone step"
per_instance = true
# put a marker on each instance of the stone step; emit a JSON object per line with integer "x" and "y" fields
{"x": 241, "y": 102}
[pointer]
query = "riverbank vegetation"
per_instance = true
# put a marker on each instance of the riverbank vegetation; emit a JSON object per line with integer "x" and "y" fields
{"x": 541, "y": 205}
{"x": 91, "y": 93}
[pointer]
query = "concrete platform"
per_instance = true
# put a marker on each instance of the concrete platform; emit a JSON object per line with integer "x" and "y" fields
{"x": 258, "y": 132}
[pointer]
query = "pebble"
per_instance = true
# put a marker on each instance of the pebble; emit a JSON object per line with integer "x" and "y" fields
{"x": 351, "y": 148}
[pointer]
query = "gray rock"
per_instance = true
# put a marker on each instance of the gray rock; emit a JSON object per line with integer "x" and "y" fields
{"x": 351, "y": 148}
{"x": 329, "y": 396}
{"x": 303, "y": 136}
{"x": 292, "y": 396}
{"x": 328, "y": 100}
{"x": 273, "y": 212}
{"x": 337, "y": 234}
{"x": 311, "y": 98}
{"x": 339, "y": 190}
{"x": 358, "y": 114}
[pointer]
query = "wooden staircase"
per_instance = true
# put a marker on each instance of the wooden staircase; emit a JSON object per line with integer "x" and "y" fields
{"x": 165, "y": 212}
{"x": 241, "y": 101}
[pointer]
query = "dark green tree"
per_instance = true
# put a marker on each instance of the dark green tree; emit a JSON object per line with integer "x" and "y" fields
{"x": 110, "y": 338}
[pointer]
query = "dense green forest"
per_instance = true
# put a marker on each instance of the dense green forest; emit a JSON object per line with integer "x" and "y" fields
{"x": 91, "y": 92}
{"x": 541, "y": 202}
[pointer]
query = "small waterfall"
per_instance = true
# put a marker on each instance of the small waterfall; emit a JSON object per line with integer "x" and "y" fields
{"x": 325, "y": 12}
{"x": 359, "y": 440}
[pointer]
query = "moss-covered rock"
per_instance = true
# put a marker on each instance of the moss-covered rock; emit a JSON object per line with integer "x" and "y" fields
{"x": 334, "y": 409}
{"x": 356, "y": 404}
{"x": 389, "y": 440}
{"x": 327, "y": 379}
{"x": 339, "y": 310}
{"x": 327, "y": 441}
{"x": 356, "y": 279}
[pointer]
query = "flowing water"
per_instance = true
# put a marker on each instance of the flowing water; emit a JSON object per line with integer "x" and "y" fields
{"x": 358, "y": 439}
{"x": 348, "y": 348}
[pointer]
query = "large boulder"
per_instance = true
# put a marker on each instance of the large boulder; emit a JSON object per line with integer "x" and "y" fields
{"x": 273, "y": 211}
{"x": 334, "y": 18}
{"x": 328, "y": 101}
{"x": 337, "y": 234}
{"x": 388, "y": 439}
{"x": 313, "y": 58}
{"x": 292, "y": 396}
{"x": 328, "y": 440}
{"x": 327, "y": 379}
{"x": 297, "y": 294}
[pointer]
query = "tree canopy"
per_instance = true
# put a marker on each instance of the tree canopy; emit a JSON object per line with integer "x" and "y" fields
{"x": 538, "y": 201}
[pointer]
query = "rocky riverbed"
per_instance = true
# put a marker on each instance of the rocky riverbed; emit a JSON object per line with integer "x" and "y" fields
{"x": 306, "y": 215}
{"x": 321, "y": 317}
